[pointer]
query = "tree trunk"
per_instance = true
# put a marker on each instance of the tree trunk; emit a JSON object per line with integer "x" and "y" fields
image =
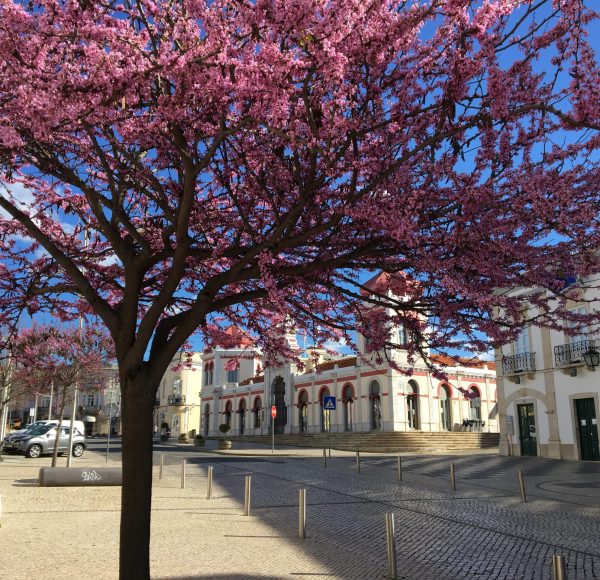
{"x": 137, "y": 410}
{"x": 61, "y": 414}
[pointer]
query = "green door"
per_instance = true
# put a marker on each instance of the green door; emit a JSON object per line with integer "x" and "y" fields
{"x": 588, "y": 429}
{"x": 527, "y": 432}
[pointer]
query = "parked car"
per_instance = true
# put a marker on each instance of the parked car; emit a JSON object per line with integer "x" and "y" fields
{"x": 66, "y": 423}
{"x": 40, "y": 441}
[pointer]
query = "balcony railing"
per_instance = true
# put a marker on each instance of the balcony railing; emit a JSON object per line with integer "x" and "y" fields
{"x": 518, "y": 363}
{"x": 572, "y": 353}
{"x": 176, "y": 400}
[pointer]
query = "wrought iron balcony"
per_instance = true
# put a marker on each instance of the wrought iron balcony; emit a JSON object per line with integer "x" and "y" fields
{"x": 176, "y": 400}
{"x": 518, "y": 363}
{"x": 572, "y": 353}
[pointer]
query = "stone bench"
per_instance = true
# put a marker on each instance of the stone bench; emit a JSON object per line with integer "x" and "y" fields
{"x": 80, "y": 476}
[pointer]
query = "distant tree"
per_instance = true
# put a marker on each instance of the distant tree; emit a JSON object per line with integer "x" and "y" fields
{"x": 65, "y": 357}
{"x": 166, "y": 163}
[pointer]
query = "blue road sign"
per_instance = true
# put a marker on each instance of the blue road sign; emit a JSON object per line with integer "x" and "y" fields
{"x": 329, "y": 403}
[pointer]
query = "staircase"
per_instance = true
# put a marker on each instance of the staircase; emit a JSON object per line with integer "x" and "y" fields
{"x": 403, "y": 441}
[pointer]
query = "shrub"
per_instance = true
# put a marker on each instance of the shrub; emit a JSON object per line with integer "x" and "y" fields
{"x": 224, "y": 427}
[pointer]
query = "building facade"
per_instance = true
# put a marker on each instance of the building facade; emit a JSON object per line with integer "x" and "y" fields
{"x": 549, "y": 387}
{"x": 368, "y": 397}
{"x": 176, "y": 409}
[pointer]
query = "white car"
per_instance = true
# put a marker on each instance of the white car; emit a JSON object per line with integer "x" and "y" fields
{"x": 78, "y": 426}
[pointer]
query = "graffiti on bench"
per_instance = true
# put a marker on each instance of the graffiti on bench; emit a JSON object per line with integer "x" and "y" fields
{"x": 88, "y": 476}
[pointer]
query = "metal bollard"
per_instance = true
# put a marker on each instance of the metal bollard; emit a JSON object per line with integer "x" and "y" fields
{"x": 330, "y": 453}
{"x": 324, "y": 457}
{"x": 183, "y": 474}
{"x": 161, "y": 466}
{"x": 452, "y": 477}
{"x": 391, "y": 545}
{"x": 559, "y": 569}
{"x": 522, "y": 487}
{"x": 399, "y": 468}
{"x": 247, "y": 488}
{"x": 302, "y": 514}
{"x": 358, "y": 462}
{"x": 209, "y": 486}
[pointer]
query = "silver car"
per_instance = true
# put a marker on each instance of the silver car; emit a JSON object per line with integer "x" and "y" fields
{"x": 40, "y": 441}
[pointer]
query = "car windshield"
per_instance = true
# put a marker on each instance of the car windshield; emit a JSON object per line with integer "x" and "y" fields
{"x": 41, "y": 430}
{"x": 35, "y": 425}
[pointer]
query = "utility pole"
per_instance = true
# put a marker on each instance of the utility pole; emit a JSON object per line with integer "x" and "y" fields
{"x": 76, "y": 393}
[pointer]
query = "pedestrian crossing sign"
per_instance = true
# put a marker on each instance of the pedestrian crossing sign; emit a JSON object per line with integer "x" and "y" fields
{"x": 329, "y": 403}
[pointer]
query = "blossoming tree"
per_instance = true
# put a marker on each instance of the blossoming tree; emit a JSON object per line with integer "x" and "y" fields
{"x": 168, "y": 163}
{"x": 65, "y": 357}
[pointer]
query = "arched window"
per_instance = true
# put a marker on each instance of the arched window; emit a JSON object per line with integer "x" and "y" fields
{"x": 348, "y": 402}
{"x": 412, "y": 405}
{"x": 375, "y": 402}
{"x": 325, "y": 413}
{"x": 445, "y": 408}
{"x": 303, "y": 411}
{"x": 242, "y": 414}
{"x": 208, "y": 373}
{"x": 206, "y": 419}
{"x": 228, "y": 414}
{"x": 257, "y": 410}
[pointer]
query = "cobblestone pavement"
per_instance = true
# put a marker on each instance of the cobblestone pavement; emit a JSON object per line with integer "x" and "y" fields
{"x": 480, "y": 531}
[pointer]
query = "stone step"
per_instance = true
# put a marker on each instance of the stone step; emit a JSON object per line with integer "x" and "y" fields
{"x": 396, "y": 441}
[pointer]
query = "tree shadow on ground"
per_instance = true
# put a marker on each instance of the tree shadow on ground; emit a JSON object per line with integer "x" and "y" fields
{"x": 245, "y": 576}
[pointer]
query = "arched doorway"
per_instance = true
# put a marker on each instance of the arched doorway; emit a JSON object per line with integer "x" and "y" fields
{"x": 206, "y": 419}
{"x": 348, "y": 402}
{"x": 303, "y": 412}
{"x": 325, "y": 413}
{"x": 257, "y": 410}
{"x": 242, "y": 414}
{"x": 412, "y": 405}
{"x": 445, "y": 411}
{"x": 375, "y": 400}
{"x": 227, "y": 417}
{"x": 278, "y": 398}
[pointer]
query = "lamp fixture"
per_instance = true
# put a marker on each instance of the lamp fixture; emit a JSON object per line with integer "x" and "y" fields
{"x": 592, "y": 358}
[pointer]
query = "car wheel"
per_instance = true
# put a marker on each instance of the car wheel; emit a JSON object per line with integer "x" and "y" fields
{"x": 78, "y": 449}
{"x": 34, "y": 451}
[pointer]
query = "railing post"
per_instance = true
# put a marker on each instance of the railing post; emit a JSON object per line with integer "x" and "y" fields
{"x": 391, "y": 546}
{"x": 559, "y": 569}
{"x": 209, "y": 483}
{"x": 161, "y": 466}
{"x": 302, "y": 514}
{"x": 452, "y": 477}
{"x": 358, "y": 462}
{"x": 522, "y": 486}
{"x": 247, "y": 488}
{"x": 399, "y": 468}
{"x": 183, "y": 474}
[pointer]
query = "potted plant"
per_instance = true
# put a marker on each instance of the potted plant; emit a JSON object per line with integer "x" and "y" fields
{"x": 223, "y": 442}
{"x": 184, "y": 438}
{"x": 198, "y": 441}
